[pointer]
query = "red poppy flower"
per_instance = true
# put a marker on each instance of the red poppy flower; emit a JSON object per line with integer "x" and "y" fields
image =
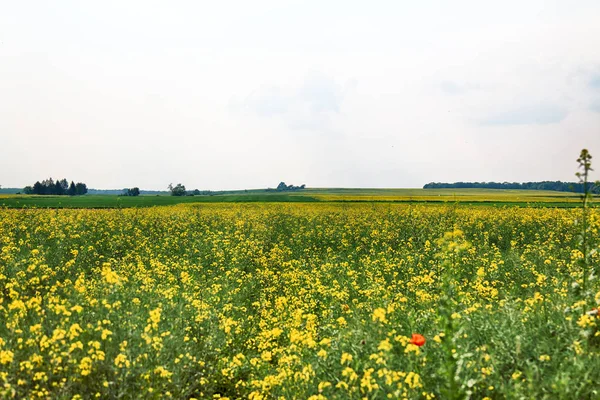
{"x": 417, "y": 340}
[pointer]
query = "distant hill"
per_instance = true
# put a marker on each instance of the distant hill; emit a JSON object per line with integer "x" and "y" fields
{"x": 10, "y": 190}
{"x": 557, "y": 186}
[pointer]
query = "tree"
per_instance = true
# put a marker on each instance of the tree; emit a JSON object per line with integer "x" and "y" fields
{"x": 135, "y": 191}
{"x": 282, "y": 187}
{"x": 64, "y": 184}
{"x": 48, "y": 186}
{"x": 177, "y": 190}
{"x": 37, "y": 188}
{"x": 58, "y": 189}
{"x": 72, "y": 191}
{"x": 80, "y": 188}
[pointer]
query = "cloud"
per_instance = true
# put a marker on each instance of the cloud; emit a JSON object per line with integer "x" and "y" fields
{"x": 537, "y": 114}
{"x": 586, "y": 81}
{"x": 311, "y": 105}
{"x": 268, "y": 101}
{"x": 594, "y": 82}
{"x": 595, "y": 105}
{"x": 454, "y": 88}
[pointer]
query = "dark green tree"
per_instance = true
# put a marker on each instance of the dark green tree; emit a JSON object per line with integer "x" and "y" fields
{"x": 177, "y": 190}
{"x": 58, "y": 189}
{"x": 135, "y": 191}
{"x": 37, "y": 188}
{"x": 80, "y": 188}
{"x": 72, "y": 191}
{"x": 64, "y": 184}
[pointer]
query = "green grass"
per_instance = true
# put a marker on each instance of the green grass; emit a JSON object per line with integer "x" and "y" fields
{"x": 488, "y": 197}
{"x": 109, "y": 201}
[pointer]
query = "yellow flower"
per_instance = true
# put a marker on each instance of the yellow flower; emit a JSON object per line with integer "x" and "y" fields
{"x": 266, "y": 356}
{"x": 586, "y": 321}
{"x": 85, "y": 366}
{"x": 412, "y": 348}
{"x": 77, "y": 308}
{"x": 74, "y": 331}
{"x": 121, "y": 361}
{"x": 379, "y": 315}
{"x": 385, "y": 345}
{"x": 276, "y": 332}
{"x": 349, "y": 373}
{"x": 109, "y": 275}
{"x": 74, "y": 346}
{"x": 413, "y": 380}
{"x": 154, "y": 318}
{"x": 346, "y": 358}
{"x": 323, "y": 385}
{"x": 105, "y": 333}
{"x": 162, "y": 372}
{"x": 6, "y": 356}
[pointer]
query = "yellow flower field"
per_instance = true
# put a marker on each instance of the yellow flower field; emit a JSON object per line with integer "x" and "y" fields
{"x": 313, "y": 301}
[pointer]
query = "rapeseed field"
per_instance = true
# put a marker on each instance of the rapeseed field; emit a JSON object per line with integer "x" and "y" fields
{"x": 307, "y": 301}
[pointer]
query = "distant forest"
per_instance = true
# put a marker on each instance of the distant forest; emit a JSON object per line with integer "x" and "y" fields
{"x": 58, "y": 188}
{"x": 557, "y": 186}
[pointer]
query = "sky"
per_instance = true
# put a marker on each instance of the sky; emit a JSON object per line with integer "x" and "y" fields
{"x": 245, "y": 94}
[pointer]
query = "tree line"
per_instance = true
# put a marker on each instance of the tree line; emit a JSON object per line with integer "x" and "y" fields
{"x": 180, "y": 190}
{"x": 58, "y": 188}
{"x": 282, "y": 187}
{"x": 134, "y": 192}
{"x": 558, "y": 186}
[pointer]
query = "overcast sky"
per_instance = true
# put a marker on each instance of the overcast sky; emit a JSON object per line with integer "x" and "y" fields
{"x": 244, "y": 94}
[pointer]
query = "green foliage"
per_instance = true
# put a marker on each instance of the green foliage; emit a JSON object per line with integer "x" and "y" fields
{"x": 558, "y": 186}
{"x": 282, "y": 187}
{"x": 80, "y": 189}
{"x": 177, "y": 190}
{"x": 133, "y": 192}
{"x": 585, "y": 235}
{"x": 59, "y": 188}
{"x": 72, "y": 191}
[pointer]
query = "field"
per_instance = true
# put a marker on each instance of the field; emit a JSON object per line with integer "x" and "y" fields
{"x": 530, "y": 198}
{"x": 305, "y": 300}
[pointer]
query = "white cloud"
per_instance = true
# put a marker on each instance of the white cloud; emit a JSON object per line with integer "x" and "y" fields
{"x": 536, "y": 114}
{"x": 310, "y": 105}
